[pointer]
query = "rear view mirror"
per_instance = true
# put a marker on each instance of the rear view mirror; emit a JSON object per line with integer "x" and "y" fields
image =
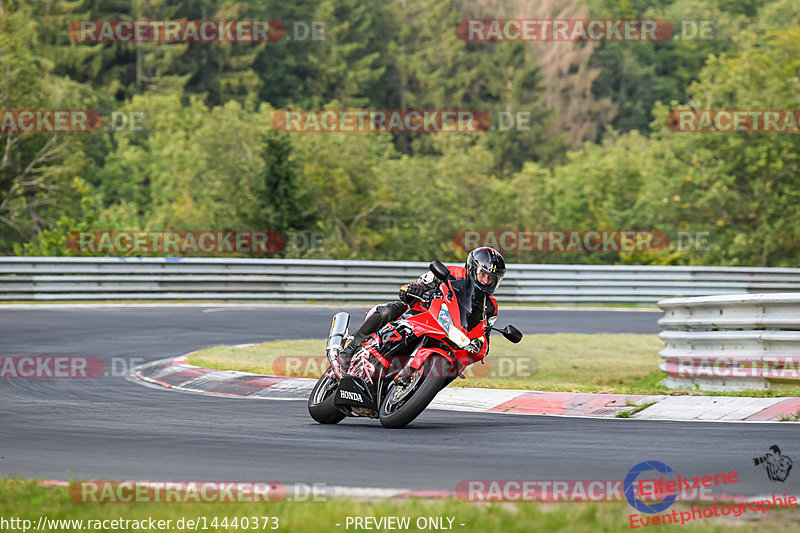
{"x": 513, "y": 334}
{"x": 439, "y": 270}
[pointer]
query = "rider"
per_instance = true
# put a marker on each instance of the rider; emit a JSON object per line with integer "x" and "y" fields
{"x": 485, "y": 267}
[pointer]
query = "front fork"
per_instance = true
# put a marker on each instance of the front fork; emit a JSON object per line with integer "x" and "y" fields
{"x": 336, "y": 339}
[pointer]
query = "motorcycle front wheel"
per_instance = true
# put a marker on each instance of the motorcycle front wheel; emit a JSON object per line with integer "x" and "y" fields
{"x": 320, "y": 401}
{"x": 401, "y": 405}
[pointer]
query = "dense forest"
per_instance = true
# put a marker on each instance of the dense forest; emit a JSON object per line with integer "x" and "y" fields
{"x": 189, "y": 140}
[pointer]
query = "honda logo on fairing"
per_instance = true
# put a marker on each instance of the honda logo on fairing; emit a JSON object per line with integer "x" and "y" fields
{"x": 347, "y": 395}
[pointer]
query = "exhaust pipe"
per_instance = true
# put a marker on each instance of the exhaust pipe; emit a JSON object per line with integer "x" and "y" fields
{"x": 336, "y": 339}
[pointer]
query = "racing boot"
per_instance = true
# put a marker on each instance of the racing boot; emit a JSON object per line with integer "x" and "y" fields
{"x": 362, "y": 334}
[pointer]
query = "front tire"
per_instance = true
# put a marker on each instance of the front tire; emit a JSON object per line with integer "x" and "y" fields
{"x": 320, "y": 401}
{"x": 397, "y": 413}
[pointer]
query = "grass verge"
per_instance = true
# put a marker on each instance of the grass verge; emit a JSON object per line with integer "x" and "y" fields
{"x": 29, "y": 500}
{"x": 609, "y": 363}
{"x": 628, "y": 413}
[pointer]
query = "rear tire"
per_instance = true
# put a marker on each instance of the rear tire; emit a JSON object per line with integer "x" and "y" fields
{"x": 430, "y": 383}
{"x": 320, "y": 401}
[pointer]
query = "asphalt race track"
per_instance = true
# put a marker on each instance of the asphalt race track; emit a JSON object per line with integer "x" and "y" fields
{"x": 113, "y": 428}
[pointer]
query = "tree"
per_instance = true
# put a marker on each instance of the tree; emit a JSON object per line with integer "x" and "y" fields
{"x": 342, "y": 66}
{"x": 566, "y": 72}
{"x": 746, "y": 184}
{"x": 346, "y": 187}
{"x": 739, "y": 188}
{"x": 36, "y": 169}
{"x": 278, "y": 206}
{"x": 433, "y": 68}
{"x": 636, "y": 75}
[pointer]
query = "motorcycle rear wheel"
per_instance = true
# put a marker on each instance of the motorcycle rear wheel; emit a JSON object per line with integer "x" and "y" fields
{"x": 431, "y": 381}
{"x": 320, "y": 401}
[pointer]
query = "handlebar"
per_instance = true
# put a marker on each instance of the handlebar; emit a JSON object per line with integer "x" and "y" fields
{"x": 428, "y": 295}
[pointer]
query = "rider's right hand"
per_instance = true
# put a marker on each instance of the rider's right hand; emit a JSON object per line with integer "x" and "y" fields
{"x": 411, "y": 292}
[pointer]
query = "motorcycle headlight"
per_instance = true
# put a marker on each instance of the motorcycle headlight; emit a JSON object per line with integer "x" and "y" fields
{"x": 453, "y": 333}
{"x": 461, "y": 340}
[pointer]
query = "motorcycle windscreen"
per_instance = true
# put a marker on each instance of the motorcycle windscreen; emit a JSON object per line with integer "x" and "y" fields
{"x": 465, "y": 292}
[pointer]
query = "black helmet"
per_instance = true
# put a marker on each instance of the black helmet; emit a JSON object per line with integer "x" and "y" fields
{"x": 486, "y": 260}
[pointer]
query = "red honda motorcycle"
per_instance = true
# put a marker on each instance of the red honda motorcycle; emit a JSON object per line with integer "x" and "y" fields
{"x": 396, "y": 372}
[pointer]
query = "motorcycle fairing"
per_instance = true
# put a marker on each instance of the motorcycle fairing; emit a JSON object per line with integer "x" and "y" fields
{"x": 354, "y": 392}
{"x": 392, "y": 339}
{"x": 421, "y": 355}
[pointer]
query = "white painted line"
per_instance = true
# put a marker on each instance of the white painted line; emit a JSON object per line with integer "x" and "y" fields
{"x": 359, "y": 493}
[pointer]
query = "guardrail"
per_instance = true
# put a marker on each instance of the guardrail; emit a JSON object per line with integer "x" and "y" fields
{"x": 731, "y": 342}
{"x": 228, "y": 279}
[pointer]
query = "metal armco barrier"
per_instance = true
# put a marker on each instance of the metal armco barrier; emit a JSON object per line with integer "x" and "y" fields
{"x": 286, "y": 280}
{"x": 733, "y": 342}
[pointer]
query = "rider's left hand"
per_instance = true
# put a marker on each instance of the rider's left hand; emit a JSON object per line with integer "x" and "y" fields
{"x": 475, "y": 346}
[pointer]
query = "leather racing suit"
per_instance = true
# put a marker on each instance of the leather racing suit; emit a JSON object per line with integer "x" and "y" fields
{"x": 379, "y": 315}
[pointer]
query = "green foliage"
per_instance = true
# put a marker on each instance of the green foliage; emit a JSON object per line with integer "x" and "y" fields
{"x": 452, "y": 190}
{"x": 54, "y": 241}
{"x": 209, "y": 157}
{"x": 747, "y": 184}
{"x": 637, "y": 75}
{"x": 739, "y": 188}
{"x": 342, "y": 64}
{"x": 346, "y": 187}
{"x": 197, "y": 168}
{"x": 36, "y": 169}
{"x": 278, "y": 204}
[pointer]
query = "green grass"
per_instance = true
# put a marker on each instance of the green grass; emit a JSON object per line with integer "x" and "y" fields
{"x": 29, "y": 500}
{"x": 603, "y": 363}
{"x": 594, "y": 362}
{"x": 628, "y": 413}
{"x": 790, "y": 418}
